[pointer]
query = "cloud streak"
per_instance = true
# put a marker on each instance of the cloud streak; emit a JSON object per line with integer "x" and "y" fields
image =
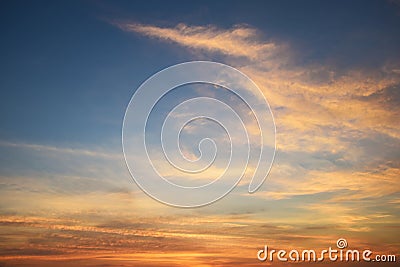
{"x": 240, "y": 41}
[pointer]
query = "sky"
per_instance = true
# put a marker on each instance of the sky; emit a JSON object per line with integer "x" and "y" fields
{"x": 330, "y": 71}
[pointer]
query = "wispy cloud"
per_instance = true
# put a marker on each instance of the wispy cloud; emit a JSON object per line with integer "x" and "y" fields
{"x": 63, "y": 150}
{"x": 240, "y": 41}
{"x": 317, "y": 108}
{"x": 305, "y": 98}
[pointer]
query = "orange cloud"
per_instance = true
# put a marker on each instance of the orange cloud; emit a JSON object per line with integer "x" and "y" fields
{"x": 240, "y": 41}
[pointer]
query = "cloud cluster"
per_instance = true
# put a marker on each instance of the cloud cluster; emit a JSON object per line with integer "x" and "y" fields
{"x": 320, "y": 112}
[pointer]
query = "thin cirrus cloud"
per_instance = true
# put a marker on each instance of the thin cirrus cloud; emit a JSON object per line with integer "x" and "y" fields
{"x": 239, "y": 41}
{"x": 62, "y": 150}
{"x": 303, "y": 97}
{"x": 317, "y": 108}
